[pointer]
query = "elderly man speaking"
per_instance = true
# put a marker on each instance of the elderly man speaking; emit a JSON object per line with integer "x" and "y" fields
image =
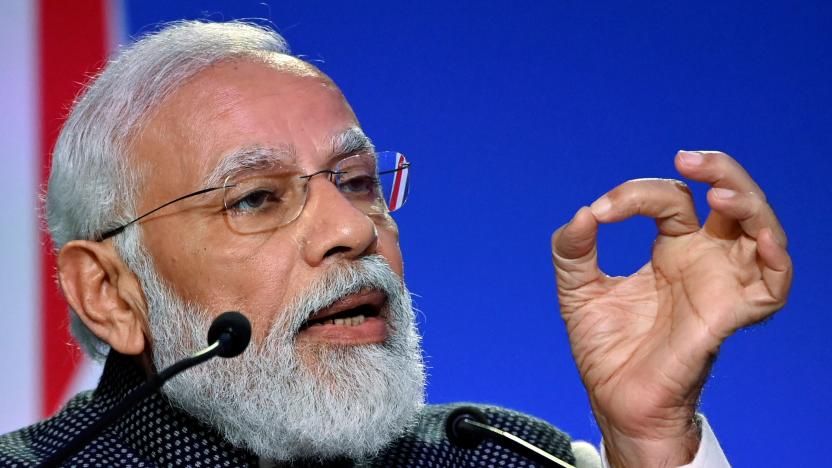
{"x": 207, "y": 170}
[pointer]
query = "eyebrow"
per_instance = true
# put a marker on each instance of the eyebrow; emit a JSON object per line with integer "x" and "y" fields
{"x": 253, "y": 158}
{"x": 351, "y": 140}
{"x": 256, "y": 158}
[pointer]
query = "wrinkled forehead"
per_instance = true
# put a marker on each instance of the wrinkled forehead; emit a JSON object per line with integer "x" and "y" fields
{"x": 226, "y": 76}
{"x": 271, "y": 101}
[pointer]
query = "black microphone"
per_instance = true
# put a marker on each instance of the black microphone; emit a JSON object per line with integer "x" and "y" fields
{"x": 233, "y": 331}
{"x": 467, "y": 427}
{"x": 228, "y": 336}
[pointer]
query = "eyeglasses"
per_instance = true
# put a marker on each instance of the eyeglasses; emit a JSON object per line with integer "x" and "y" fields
{"x": 377, "y": 183}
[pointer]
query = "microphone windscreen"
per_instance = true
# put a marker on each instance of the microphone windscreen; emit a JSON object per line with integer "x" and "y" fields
{"x": 238, "y": 329}
{"x": 457, "y": 432}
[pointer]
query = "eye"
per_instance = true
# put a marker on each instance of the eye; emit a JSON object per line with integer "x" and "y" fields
{"x": 358, "y": 185}
{"x": 254, "y": 201}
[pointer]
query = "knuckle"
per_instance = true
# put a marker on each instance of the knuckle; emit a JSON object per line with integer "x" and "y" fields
{"x": 618, "y": 194}
{"x": 759, "y": 195}
{"x": 679, "y": 187}
{"x": 676, "y": 191}
{"x": 632, "y": 196}
{"x": 748, "y": 208}
{"x": 678, "y": 184}
{"x": 636, "y": 187}
{"x": 636, "y": 192}
{"x": 755, "y": 200}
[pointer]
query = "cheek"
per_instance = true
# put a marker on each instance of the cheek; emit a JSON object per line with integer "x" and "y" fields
{"x": 231, "y": 274}
{"x": 173, "y": 258}
{"x": 256, "y": 282}
{"x": 388, "y": 247}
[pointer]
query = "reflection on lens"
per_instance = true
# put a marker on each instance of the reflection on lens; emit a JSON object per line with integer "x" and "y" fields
{"x": 394, "y": 178}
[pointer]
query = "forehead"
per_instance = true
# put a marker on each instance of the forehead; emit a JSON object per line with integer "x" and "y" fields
{"x": 279, "y": 102}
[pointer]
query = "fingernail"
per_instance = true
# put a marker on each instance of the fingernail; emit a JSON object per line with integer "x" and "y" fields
{"x": 600, "y": 206}
{"x": 692, "y": 158}
{"x": 724, "y": 193}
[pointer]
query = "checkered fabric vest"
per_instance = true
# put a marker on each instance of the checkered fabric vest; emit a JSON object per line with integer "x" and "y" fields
{"x": 155, "y": 433}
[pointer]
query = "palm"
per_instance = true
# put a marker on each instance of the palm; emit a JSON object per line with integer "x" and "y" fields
{"x": 643, "y": 343}
{"x": 636, "y": 332}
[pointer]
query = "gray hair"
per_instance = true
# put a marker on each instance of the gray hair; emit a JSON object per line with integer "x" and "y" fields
{"x": 93, "y": 185}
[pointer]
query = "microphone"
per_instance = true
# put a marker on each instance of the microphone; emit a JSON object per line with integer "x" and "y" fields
{"x": 233, "y": 331}
{"x": 467, "y": 427}
{"x": 228, "y": 336}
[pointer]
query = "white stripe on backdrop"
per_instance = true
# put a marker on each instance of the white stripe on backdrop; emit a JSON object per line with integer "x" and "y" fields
{"x": 20, "y": 359}
{"x": 19, "y": 254}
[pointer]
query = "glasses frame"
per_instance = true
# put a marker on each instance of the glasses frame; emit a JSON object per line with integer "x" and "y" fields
{"x": 118, "y": 230}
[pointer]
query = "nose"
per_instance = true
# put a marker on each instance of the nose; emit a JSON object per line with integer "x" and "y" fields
{"x": 334, "y": 227}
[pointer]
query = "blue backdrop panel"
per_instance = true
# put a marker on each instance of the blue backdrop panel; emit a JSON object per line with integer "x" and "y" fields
{"x": 515, "y": 114}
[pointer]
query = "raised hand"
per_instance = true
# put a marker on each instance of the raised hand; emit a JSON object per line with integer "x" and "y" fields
{"x": 644, "y": 343}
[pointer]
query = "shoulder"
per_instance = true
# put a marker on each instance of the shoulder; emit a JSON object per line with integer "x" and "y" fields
{"x": 29, "y": 445}
{"x": 426, "y": 441}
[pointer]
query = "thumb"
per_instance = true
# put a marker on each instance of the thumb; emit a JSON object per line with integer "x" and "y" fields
{"x": 575, "y": 253}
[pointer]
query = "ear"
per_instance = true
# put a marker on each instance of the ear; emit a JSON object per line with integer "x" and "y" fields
{"x": 105, "y": 294}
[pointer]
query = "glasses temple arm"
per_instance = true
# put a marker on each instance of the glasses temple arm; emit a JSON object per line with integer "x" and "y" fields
{"x": 118, "y": 230}
{"x": 403, "y": 166}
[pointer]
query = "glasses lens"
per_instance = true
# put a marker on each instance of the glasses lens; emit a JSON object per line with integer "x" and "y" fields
{"x": 263, "y": 202}
{"x": 374, "y": 183}
{"x": 357, "y": 179}
{"x": 394, "y": 178}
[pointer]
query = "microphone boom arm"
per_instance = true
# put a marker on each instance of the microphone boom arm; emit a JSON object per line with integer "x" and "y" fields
{"x": 517, "y": 444}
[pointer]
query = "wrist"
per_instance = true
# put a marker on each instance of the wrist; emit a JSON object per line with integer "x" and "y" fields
{"x": 623, "y": 450}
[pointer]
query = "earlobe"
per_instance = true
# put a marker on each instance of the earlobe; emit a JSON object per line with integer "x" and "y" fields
{"x": 105, "y": 294}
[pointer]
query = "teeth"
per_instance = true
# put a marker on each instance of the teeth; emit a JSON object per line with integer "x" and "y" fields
{"x": 347, "y": 321}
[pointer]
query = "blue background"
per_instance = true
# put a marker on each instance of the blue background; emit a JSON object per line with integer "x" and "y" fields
{"x": 517, "y": 113}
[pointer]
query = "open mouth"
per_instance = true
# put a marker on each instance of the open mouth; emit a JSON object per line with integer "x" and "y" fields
{"x": 350, "y": 311}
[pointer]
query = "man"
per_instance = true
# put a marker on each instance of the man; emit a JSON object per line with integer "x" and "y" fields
{"x": 205, "y": 170}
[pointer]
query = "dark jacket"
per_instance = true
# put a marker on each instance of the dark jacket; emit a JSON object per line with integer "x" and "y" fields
{"x": 155, "y": 433}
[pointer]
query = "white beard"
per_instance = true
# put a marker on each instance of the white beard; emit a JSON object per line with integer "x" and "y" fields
{"x": 284, "y": 402}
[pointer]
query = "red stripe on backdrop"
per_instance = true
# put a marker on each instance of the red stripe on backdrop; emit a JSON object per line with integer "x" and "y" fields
{"x": 73, "y": 45}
